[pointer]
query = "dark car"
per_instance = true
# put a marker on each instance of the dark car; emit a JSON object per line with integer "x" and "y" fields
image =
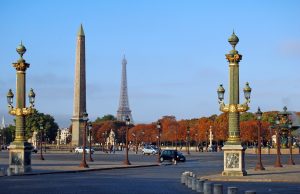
{"x": 172, "y": 155}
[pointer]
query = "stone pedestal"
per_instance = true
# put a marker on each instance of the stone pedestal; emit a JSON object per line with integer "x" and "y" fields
{"x": 20, "y": 157}
{"x": 234, "y": 160}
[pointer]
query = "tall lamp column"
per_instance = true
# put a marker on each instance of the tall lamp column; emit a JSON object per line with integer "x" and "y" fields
{"x": 41, "y": 140}
{"x": 20, "y": 149}
{"x": 83, "y": 163}
{"x": 277, "y": 132}
{"x": 90, "y": 141}
{"x": 126, "y": 161}
{"x": 158, "y": 126}
{"x": 188, "y": 139}
{"x": 291, "y": 160}
{"x": 259, "y": 165}
{"x": 234, "y": 152}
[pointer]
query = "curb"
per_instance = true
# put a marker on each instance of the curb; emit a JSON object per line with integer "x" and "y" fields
{"x": 86, "y": 170}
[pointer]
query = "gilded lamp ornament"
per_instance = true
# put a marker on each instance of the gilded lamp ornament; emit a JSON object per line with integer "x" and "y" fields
{"x": 234, "y": 107}
{"x": 21, "y": 111}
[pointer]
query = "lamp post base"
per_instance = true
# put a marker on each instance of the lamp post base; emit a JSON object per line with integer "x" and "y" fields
{"x": 91, "y": 159}
{"x": 291, "y": 162}
{"x": 234, "y": 161}
{"x": 20, "y": 157}
{"x": 278, "y": 163}
{"x": 259, "y": 166}
{"x": 126, "y": 162}
{"x": 83, "y": 164}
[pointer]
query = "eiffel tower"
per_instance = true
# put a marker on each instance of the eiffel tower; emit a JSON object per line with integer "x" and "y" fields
{"x": 124, "y": 109}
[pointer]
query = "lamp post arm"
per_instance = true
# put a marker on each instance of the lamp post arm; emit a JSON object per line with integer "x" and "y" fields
{"x": 224, "y": 107}
{"x": 243, "y": 107}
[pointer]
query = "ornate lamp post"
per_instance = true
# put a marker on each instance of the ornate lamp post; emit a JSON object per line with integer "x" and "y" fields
{"x": 158, "y": 126}
{"x": 83, "y": 163}
{"x": 291, "y": 160}
{"x": 188, "y": 139}
{"x": 234, "y": 152}
{"x": 127, "y": 120}
{"x": 196, "y": 141}
{"x": 206, "y": 137}
{"x": 20, "y": 149}
{"x": 90, "y": 142}
{"x": 277, "y": 132}
{"x": 135, "y": 142}
{"x": 286, "y": 125}
{"x": 41, "y": 140}
{"x": 259, "y": 165}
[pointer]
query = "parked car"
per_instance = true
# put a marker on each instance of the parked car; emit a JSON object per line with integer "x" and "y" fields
{"x": 148, "y": 149}
{"x": 79, "y": 150}
{"x": 172, "y": 155}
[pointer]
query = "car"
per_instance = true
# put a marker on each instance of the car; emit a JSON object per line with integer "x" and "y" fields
{"x": 149, "y": 150}
{"x": 79, "y": 150}
{"x": 172, "y": 155}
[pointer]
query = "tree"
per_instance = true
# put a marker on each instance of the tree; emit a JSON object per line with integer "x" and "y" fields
{"x": 33, "y": 122}
{"x": 7, "y": 134}
{"x": 247, "y": 116}
{"x": 107, "y": 117}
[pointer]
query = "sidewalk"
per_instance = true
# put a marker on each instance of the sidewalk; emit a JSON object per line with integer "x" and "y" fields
{"x": 69, "y": 163}
{"x": 288, "y": 174}
{"x": 71, "y": 167}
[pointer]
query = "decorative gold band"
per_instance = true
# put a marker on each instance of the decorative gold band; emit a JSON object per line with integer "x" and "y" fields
{"x": 234, "y": 107}
{"x": 21, "y": 111}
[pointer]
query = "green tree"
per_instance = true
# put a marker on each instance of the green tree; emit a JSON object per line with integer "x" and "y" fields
{"x": 107, "y": 117}
{"x": 7, "y": 134}
{"x": 247, "y": 116}
{"x": 33, "y": 122}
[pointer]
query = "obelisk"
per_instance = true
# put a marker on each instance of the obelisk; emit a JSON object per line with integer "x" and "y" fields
{"x": 79, "y": 90}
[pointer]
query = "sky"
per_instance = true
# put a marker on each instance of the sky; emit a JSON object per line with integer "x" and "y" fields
{"x": 175, "y": 52}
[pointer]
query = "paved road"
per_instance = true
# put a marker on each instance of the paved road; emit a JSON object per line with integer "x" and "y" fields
{"x": 160, "y": 179}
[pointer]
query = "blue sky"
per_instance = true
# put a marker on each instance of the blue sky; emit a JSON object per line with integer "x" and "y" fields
{"x": 175, "y": 52}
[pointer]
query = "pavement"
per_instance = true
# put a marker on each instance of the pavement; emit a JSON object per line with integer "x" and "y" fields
{"x": 47, "y": 166}
{"x": 287, "y": 173}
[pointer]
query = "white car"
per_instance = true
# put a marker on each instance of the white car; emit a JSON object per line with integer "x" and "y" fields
{"x": 79, "y": 150}
{"x": 149, "y": 150}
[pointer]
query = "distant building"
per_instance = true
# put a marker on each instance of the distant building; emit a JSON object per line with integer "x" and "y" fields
{"x": 62, "y": 135}
{"x": 3, "y": 125}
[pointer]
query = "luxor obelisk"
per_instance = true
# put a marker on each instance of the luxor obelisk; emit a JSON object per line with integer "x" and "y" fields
{"x": 79, "y": 90}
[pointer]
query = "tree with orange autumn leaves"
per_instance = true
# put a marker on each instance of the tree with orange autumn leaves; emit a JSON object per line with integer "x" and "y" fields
{"x": 176, "y": 131}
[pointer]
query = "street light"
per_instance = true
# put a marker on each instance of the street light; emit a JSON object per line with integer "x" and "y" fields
{"x": 234, "y": 152}
{"x": 277, "y": 132}
{"x": 206, "y": 135}
{"x": 41, "y": 140}
{"x": 158, "y": 126}
{"x": 85, "y": 119}
{"x": 90, "y": 141}
{"x": 127, "y": 122}
{"x": 20, "y": 149}
{"x": 188, "y": 139}
{"x": 259, "y": 165}
{"x": 135, "y": 142}
{"x": 291, "y": 160}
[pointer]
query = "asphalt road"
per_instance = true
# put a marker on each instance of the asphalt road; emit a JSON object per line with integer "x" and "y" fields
{"x": 163, "y": 179}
